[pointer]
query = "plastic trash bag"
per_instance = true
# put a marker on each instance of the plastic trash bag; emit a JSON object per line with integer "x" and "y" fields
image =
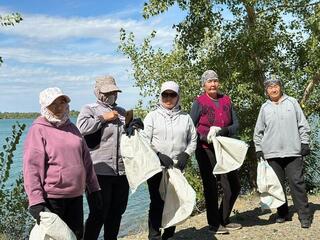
{"x": 179, "y": 197}
{"x": 51, "y": 227}
{"x": 230, "y": 153}
{"x": 140, "y": 161}
{"x": 269, "y": 186}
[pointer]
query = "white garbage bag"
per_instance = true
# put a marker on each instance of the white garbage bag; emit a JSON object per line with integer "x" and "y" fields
{"x": 269, "y": 186}
{"x": 51, "y": 227}
{"x": 230, "y": 153}
{"x": 140, "y": 161}
{"x": 179, "y": 198}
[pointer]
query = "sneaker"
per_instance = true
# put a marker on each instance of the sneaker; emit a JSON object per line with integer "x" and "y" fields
{"x": 305, "y": 223}
{"x": 218, "y": 230}
{"x": 233, "y": 226}
{"x": 282, "y": 219}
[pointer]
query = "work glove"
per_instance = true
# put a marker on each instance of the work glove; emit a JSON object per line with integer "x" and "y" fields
{"x": 35, "y": 211}
{"x": 96, "y": 203}
{"x": 134, "y": 124}
{"x": 182, "y": 160}
{"x": 305, "y": 150}
{"x": 165, "y": 160}
{"x": 224, "y": 132}
{"x": 260, "y": 155}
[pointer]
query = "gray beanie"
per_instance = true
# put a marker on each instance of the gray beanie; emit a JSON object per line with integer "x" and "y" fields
{"x": 272, "y": 80}
{"x": 208, "y": 75}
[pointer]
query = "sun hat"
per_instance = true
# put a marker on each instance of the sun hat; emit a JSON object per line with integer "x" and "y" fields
{"x": 105, "y": 84}
{"x": 48, "y": 95}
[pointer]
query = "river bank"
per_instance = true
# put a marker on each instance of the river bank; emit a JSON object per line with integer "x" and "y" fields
{"x": 256, "y": 225}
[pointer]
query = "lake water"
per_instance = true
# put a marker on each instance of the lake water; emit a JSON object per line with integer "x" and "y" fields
{"x": 135, "y": 217}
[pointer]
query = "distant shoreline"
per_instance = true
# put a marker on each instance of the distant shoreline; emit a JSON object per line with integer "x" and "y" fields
{"x": 28, "y": 115}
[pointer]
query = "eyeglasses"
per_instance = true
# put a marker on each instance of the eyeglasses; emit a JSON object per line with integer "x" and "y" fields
{"x": 169, "y": 94}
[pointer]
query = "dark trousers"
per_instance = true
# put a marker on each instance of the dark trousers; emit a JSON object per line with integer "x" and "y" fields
{"x": 115, "y": 191}
{"x": 230, "y": 184}
{"x": 155, "y": 211}
{"x": 292, "y": 167}
{"x": 70, "y": 210}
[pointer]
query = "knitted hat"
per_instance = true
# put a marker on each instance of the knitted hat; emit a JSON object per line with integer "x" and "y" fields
{"x": 272, "y": 80}
{"x": 48, "y": 95}
{"x": 208, "y": 75}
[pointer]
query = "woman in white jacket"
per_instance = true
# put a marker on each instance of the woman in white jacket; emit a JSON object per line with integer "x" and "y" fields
{"x": 173, "y": 136}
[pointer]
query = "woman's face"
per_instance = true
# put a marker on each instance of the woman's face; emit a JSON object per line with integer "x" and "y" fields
{"x": 211, "y": 87}
{"x": 110, "y": 97}
{"x": 58, "y": 107}
{"x": 274, "y": 92}
{"x": 169, "y": 99}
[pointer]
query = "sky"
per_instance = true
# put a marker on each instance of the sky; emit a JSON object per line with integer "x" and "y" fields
{"x": 67, "y": 44}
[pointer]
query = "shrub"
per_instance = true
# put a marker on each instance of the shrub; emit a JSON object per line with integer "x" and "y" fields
{"x": 15, "y": 222}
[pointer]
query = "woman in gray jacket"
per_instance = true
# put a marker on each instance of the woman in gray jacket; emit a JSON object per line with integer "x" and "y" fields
{"x": 172, "y": 135}
{"x": 102, "y": 124}
{"x": 281, "y": 137}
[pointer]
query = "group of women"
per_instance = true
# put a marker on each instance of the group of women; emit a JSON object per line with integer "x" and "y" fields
{"x": 62, "y": 161}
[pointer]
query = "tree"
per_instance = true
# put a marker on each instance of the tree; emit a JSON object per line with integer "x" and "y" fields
{"x": 258, "y": 39}
{"x": 15, "y": 222}
{"x": 9, "y": 20}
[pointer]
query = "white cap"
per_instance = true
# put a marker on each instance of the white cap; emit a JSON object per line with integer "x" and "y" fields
{"x": 48, "y": 95}
{"x": 170, "y": 85}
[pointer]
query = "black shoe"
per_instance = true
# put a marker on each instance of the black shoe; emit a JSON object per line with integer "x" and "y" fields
{"x": 233, "y": 226}
{"x": 218, "y": 230}
{"x": 282, "y": 219}
{"x": 305, "y": 223}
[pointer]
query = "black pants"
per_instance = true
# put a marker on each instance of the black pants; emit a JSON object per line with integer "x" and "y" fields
{"x": 230, "y": 184}
{"x": 70, "y": 210}
{"x": 292, "y": 167}
{"x": 156, "y": 209}
{"x": 115, "y": 191}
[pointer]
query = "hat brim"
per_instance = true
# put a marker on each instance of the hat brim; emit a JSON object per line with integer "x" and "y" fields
{"x": 59, "y": 95}
{"x": 107, "y": 89}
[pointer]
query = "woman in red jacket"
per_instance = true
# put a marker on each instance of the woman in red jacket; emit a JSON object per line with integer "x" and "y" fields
{"x": 212, "y": 108}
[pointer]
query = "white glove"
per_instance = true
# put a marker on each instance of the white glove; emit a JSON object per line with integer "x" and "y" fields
{"x": 212, "y": 133}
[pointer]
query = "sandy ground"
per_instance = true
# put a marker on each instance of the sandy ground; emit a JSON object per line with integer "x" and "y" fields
{"x": 256, "y": 225}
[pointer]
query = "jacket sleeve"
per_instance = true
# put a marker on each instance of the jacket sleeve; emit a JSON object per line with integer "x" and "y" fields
{"x": 195, "y": 112}
{"x": 91, "y": 177}
{"x": 34, "y": 159}
{"x": 192, "y": 137}
{"x": 259, "y": 131}
{"x": 87, "y": 122}
{"x": 148, "y": 127}
{"x": 234, "y": 127}
{"x": 303, "y": 125}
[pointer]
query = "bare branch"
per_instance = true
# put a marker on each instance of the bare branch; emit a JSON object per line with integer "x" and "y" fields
{"x": 313, "y": 82}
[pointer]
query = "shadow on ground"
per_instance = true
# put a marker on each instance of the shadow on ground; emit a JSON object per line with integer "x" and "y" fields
{"x": 193, "y": 233}
{"x": 250, "y": 218}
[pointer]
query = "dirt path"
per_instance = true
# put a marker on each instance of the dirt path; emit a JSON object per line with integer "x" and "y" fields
{"x": 256, "y": 225}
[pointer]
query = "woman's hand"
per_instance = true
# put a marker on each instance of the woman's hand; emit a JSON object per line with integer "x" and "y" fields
{"x": 110, "y": 116}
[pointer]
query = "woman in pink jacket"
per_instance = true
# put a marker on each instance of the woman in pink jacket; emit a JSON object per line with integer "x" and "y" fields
{"x": 56, "y": 163}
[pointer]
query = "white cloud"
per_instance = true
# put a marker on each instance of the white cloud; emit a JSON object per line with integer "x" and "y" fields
{"x": 69, "y": 52}
{"x": 46, "y": 28}
{"x": 60, "y": 57}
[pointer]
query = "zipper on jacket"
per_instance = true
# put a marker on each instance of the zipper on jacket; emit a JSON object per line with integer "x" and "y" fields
{"x": 117, "y": 155}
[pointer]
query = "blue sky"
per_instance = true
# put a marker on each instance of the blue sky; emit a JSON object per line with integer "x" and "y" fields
{"x": 67, "y": 44}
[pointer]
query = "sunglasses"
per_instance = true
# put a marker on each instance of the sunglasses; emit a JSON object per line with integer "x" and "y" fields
{"x": 169, "y": 94}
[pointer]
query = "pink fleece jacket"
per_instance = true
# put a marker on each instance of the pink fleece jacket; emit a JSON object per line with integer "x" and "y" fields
{"x": 56, "y": 162}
